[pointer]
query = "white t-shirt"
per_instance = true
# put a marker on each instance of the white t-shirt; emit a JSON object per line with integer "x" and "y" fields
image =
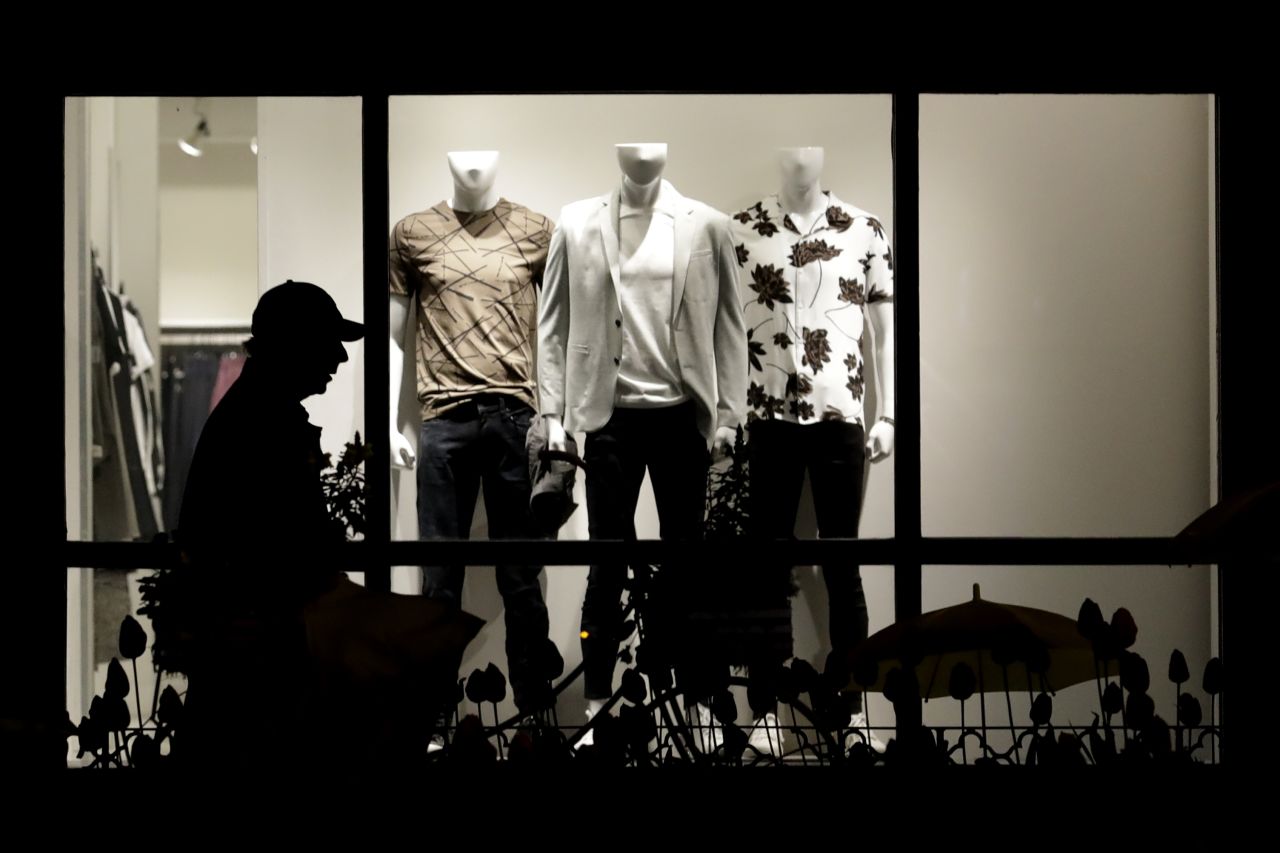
{"x": 649, "y": 371}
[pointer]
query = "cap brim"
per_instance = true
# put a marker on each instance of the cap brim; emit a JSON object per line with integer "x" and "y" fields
{"x": 350, "y": 331}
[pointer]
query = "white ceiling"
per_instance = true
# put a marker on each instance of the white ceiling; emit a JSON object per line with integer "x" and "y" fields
{"x": 227, "y": 159}
{"x": 231, "y": 119}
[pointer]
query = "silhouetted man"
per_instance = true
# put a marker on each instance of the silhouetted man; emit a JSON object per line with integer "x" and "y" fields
{"x": 257, "y": 533}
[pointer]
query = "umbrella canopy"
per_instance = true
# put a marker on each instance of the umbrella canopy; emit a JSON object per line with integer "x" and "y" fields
{"x": 1004, "y": 646}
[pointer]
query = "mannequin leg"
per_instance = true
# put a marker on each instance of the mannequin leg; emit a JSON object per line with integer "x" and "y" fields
{"x": 615, "y": 469}
{"x": 836, "y": 461}
{"x": 678, "y": 465}
{"x": 776, "y": 468}
{"x": 448, "y": 482}
{"x": 506, "y": 500}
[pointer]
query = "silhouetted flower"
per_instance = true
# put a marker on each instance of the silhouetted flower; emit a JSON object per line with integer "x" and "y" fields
{"x": 1041, "y": 710}
{"x": 1213, "y": 676}
{"x": 1134, "y": 675}
{"x": 1123, "y": 629}
{"x": 963, "y": 682}
{"x": 133, "y": 639}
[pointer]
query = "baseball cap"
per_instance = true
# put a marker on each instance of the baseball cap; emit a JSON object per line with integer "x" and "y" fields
{"x": 297, "y": 309}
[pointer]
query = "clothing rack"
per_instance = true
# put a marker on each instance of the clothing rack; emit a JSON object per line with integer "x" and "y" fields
{"x": 192, "y": 335}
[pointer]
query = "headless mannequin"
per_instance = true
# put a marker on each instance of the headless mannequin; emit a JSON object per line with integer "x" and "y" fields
{"x": 474, "y": 175}
{"x": 642, "y": 164}
{"x": 805, "y": 204}
{"x": 802, "y": 198}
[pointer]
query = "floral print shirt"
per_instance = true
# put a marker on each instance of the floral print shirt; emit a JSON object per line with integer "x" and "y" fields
{"x": 803, "y": 298}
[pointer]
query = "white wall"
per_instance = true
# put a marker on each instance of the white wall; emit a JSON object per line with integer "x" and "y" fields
{"x": 75, "y": 272}
{"x": 310, "y": 228}
{"x": 137, "y": 215}
{"x": 558, "y": 149}
{"x": 209, "y": 236}
{"x": 1064, "y": 384}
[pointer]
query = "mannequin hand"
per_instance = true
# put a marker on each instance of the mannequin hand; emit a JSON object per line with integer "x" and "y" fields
{"x": 555, "y": 434}
{"x": 880, "y": 441}
{"x": 402, "y": 455}
{"x": 722, "y": 444}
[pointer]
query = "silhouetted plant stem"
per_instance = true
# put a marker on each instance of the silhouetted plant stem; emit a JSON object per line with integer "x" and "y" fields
{"x": 982, "y": 705}
{"x": 155, "y": 694}
{"x": 1008, "y": 701}
{"x": 1177, "y": 718}
{"x": 1213, "y": 742}
{"x": 137, "y": 698}
{"x": 804, "y": 759}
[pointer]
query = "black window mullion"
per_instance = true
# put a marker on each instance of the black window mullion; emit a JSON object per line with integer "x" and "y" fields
{"x": 377, "y": 394}
{"x": 906, "y": 282}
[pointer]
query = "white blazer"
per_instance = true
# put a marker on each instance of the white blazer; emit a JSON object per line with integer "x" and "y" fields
{"x": 580, "y": 317}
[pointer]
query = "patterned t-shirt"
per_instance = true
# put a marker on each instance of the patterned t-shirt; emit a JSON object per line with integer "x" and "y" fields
{"x": 803, "y": 300}
{"x": 474, "y": 278}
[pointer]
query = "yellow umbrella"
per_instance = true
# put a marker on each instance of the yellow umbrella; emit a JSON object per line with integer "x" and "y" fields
{"x": 1005, "y": 646}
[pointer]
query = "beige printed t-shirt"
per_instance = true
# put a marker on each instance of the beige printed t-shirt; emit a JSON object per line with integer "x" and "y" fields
{"x": 474, "y": 279}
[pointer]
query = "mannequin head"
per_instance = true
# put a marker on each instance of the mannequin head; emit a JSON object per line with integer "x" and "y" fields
{"x": 474, "y": 172}
{"x": 800, "y": 167}
{"x": 642, "y": 162}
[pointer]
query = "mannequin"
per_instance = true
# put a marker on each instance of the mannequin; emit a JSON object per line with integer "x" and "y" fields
{"x": 470, "y": 267}
{"x": 814, "y": 272}
{"x": 642, "y": 165}
{"x": 657, "y": 385}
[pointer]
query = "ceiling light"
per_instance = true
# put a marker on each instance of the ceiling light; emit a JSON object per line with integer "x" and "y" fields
{"x": 190, "y": 144}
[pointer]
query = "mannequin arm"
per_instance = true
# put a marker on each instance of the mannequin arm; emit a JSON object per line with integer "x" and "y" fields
{"x": 402, "y": 454}
{"x": 730, "y": 348}
{"x": 880, "y": 436}
{"x": 553, "y": 338}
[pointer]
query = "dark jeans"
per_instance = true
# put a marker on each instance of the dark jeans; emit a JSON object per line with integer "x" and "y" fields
{"x": 482, "y": 442}
{"x": 667, "y": 442}
{"x": 834, "y": 454}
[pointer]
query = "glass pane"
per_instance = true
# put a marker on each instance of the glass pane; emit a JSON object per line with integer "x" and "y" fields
{"x": 1171, "y": 611}
{"x": 180, "y": 212}
{"x": 451, "y": 273}
{"x": 1066, "y": 314}
{"x": 106, "y": 632}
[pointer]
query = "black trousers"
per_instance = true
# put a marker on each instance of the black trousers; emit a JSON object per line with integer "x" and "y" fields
{"x": 665, "y": 442}
{"x": 482, "y": 442}
{"x": 834, "y": 454}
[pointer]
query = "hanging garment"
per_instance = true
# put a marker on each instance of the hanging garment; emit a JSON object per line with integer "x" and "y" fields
{"x": 229, "y": 366}
{"x": 189, "y": 376}
{"x": 114, "y": 513}
{"x": 143, "y": 406}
